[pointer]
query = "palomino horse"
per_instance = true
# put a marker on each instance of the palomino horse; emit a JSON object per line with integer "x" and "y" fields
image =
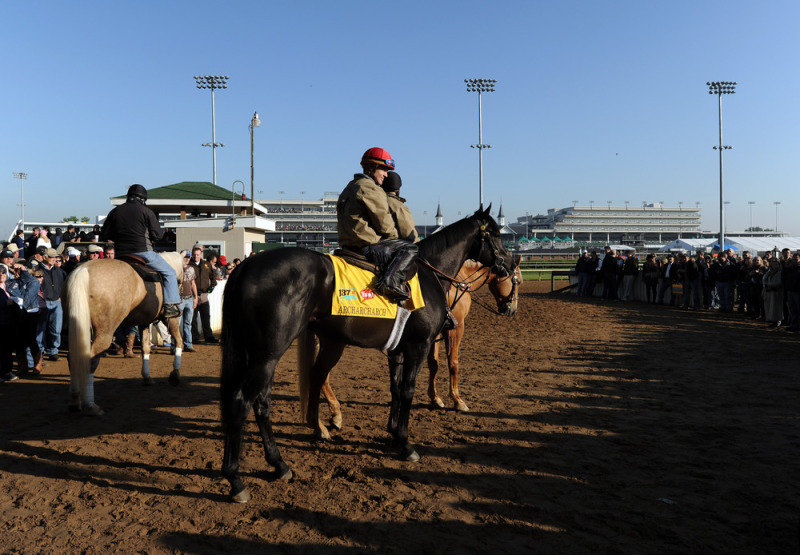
{"x": 101, "y": 295}
{"x": 506, "y": 294}
{"x": 280, "y": 295}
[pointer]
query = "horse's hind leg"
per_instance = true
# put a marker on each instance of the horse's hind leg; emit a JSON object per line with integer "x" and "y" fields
{"x": 413, "y": 357}
{"x": 329, "y": 354}
{"x": 261, "y": 408}
{"x": 333, "y": 404}
{"x": 433, "y": 368}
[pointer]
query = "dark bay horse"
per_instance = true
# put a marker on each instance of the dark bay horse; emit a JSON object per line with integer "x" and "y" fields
{"x": 277, "y": 296}
{"x": 471, "y": 277}
{"x": 100, "y": 296}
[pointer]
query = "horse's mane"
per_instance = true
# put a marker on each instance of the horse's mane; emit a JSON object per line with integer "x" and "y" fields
{"x": 447, "y": 236}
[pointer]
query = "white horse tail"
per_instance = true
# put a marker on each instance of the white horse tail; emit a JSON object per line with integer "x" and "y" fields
{"x": 80, "y": 335}
{"x": 306, "y": 353}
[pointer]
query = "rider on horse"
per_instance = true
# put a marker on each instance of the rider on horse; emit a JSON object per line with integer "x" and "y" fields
{"x": 133, "y": 228}
{"x": 366, "y": 225}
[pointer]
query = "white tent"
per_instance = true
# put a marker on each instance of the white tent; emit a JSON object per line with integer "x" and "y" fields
{"x": 764, "y": 244}
{"x": 689, "y": 245}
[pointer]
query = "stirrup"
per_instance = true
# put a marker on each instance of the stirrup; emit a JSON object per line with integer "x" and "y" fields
{"x": 170, "y": 311}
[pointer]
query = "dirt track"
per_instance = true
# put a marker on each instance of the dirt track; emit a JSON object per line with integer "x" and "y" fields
{"x": 593, "y": 426}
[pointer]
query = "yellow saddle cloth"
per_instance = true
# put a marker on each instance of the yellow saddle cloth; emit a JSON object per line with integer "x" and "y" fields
{"x": 352, "y": 295}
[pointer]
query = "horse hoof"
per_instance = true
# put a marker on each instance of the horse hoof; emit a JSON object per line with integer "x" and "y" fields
{"x": 461, "y": 406}
{"x": 413, "y": 456}
{"x": 148, "y": 381}
{"x": 241, "y": 497}
{"x": 322, "y": 433}
{"x": 174, "y": 379}
{"x": 336, "y": 421}
{"x": 286, "y": 476}
{"x": 94, "y": 410}
{"x": 437, "y": 402}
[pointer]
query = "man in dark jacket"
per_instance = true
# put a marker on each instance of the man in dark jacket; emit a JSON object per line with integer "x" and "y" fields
{"x": 52, "y": 284}
{"x": 133, "y": 228}
{"x": 205, "y": 282}
{"x": 610, "y": 271}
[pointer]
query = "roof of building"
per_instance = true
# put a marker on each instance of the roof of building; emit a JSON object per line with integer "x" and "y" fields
{"x": 190, "y": 190}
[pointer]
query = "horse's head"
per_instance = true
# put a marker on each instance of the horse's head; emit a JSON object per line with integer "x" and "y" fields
{"x": 506, "y": 290}
{"x": 488, "y": 249}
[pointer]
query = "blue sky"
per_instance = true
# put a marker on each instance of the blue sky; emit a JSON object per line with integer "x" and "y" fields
{"x": 595, "y": 101}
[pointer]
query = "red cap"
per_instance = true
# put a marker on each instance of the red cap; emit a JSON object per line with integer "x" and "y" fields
{"x": 223, "y": 260}
{"x": 380, "y": 156}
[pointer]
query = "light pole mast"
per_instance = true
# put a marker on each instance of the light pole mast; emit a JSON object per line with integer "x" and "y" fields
{"x": 480, "y": 86}
{"x": 776, "y": 203}
{"x": 719, "y": 88}
{"x": 22, "y": 176}
{"x": 255, "y": 122}
{"x": 212, "y": 82}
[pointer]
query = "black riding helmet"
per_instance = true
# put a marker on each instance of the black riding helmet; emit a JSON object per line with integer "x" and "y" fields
{"x": 138, "y": 192}
{"x": 392, "y": 182}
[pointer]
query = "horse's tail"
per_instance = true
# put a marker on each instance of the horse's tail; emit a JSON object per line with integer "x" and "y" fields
{"x": 306, "y": 352}
{"x": 80, "y": 331}
{"x": 234, "y": 352}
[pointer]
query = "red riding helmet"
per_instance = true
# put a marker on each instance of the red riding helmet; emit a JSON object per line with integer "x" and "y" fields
{"x": 379, "y": 156}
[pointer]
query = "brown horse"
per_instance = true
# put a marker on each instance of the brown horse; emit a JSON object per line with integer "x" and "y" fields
{"x": 475, "y": 275}
{"x": 102, "y": 295}
{"x": 506, "y": 293}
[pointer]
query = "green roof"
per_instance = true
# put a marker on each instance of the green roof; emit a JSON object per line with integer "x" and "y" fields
{"x": 190, "y": 190}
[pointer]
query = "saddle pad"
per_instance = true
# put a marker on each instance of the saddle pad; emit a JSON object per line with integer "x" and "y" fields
{"x": 352, "y": 295}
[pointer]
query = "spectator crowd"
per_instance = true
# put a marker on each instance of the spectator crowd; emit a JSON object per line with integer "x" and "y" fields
{"x": 763, "y": 288}
{"x": 33, "y": 274}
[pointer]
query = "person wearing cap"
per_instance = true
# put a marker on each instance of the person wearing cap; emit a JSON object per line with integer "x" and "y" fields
{"x": 7, "y": 257}
{"x": 72, "y": 262}
{"x": 43, "y": 240}
{"x": 365, "y": 225}
{"x": 26, "y": 290}
{"x": 53, "y": 283}
{"x": 133, "y": 228}
{"x": 94, "y": 251}
{"x": 403, "y": 220}
{"x": 222, "y": 266}
{"x": 38, "y": 257}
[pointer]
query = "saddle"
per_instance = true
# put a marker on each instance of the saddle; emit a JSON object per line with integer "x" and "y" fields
{"x": 140, "y": 266}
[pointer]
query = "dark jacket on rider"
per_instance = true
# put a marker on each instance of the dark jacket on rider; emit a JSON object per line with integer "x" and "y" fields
{"x": 363, "y": 214}
{"x": 133, "y": 227}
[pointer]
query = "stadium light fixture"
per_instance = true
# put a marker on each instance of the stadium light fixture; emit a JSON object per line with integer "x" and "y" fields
{"x": 480, "y": 86}
{"x": 720, "y": 88}
{"x": 212, "y": 82}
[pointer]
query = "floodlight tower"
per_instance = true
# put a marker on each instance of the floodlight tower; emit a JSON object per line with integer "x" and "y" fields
{"x": 22, "y": 176}
{"x": 719, "y": 88}
{"x": 480, "y": 86}
{"x": 212, "y": 82}
{"x": 776, "y": 203}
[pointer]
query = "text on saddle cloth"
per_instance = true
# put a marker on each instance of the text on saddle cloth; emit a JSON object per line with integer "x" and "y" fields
{"x": 352, "y": 295}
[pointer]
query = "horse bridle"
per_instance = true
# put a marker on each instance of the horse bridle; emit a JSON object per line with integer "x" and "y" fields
{"x": 498, "y": 263}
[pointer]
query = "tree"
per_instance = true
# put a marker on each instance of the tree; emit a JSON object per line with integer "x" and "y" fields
{"x": 75, "y": 219}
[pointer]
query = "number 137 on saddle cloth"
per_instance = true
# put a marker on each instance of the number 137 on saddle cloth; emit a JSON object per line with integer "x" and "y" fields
{"x": 352, "y": 295}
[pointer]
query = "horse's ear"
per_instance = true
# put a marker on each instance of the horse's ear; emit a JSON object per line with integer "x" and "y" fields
{"x": 488, "y": 212}
{"x": 517, "y": 260}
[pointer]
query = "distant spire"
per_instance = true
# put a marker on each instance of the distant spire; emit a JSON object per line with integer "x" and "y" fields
{"x": 439, "y": 217}
{"x": 501, "y": 218}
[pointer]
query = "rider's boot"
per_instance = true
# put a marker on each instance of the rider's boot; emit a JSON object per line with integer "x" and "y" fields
{"x": 392, "y": 284}
{"x": 450, "y": 321}
{"x": 170, "y": 311}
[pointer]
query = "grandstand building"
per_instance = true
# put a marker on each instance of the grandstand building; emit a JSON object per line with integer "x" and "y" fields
{"x": 650, "y": 223}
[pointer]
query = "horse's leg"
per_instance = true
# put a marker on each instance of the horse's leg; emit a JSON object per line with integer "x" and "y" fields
{"x": 413, "y": 357}
{"x": 452, "y": 363}
{"x": 395, "y": 375}
{"x": 146, "y": 379}
{"x": 272, "y": 454}
{"x": 329, "y": 354}
{"x": 433, "y": 368}
{"x": 238, "y": 397}
{"x": 333, "y": 404}
{"x": 174, "y": 326}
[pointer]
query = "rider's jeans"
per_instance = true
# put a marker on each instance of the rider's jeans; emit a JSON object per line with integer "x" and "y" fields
{"x": 170, "y": 279}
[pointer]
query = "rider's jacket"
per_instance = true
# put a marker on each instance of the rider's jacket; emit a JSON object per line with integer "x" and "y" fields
{"x": 133, "y": 227}
{"x": 403, "y": 220}
{"x": 363, "y": 214}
